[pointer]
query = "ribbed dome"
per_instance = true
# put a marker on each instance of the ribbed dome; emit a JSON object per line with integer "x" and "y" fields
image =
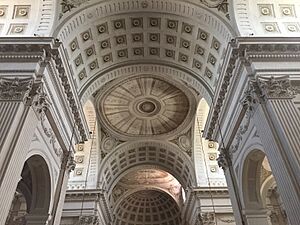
{"x": 148, "y": 207}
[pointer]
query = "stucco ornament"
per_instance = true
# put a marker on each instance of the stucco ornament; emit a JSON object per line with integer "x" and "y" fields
{"x": 67, "y": 5}
{"x": 213, "y": 3}
{"x": 221, "y": 5}
{"x": 276, "y": 87}
{"x": 88, "y": 220}
{"x": 15, "y": 89}
{"x": 223, "y": 159}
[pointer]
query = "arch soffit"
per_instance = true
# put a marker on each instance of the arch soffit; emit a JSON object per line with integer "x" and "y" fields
{"x": 266, "y": 185}
{"x": 247, "y": 150}
{"x": 200, "y": 38}
{"x": 41, "y": 178}
{"x": 250, "y": 179}
{"x": 136, "y": 168}
{"x": 167, "y": 156}
{"x": 34, "y": 151}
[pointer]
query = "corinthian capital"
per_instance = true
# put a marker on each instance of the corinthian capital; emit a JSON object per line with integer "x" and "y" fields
{"x": 275, "y": 88}
{"x": 15, "y": 89}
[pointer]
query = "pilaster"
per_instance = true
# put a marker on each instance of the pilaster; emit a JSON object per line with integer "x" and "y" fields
{"x": 278, "y": 123}
{"x": 19, "y": 124}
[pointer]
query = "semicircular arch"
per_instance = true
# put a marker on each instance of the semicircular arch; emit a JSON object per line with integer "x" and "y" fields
{"x": 166, "y": 156}
{"x": 40, "y": 184}
{"x": 130, "y": 192}
{"x": 251, "y": 172}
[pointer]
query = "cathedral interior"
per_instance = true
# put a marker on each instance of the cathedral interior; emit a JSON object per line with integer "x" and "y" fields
{"x": 149, "y": 112}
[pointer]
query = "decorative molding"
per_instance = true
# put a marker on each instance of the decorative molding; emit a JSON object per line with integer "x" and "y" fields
{"x": 43, "y": 50}
{"x": 55, "y": 55}
{"x": 223, "y": 159}
{"x": 248, "y": 101}
{"x": 69, "y": 160}
{"x": 40, "y": 102}
{"x": 246, "y": 50}
{"x": 40, "y": 105}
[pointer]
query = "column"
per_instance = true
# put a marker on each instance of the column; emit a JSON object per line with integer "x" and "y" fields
{"x": 278, "y": 123}
{"x": 17, "y": 126}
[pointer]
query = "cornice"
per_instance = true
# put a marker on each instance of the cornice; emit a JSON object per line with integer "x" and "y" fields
{"x": 44, "y": 50}
{"x": 245, "y": 50}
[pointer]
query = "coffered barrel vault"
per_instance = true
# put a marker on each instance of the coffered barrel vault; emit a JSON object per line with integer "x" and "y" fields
{"x": 129, "y": 90}
{"x": 105, "y": 36}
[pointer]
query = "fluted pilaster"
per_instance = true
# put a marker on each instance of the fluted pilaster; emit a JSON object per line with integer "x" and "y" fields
{"x": 278, "y": 124}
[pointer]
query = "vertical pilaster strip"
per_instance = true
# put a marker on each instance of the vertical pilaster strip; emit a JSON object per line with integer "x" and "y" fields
{"x": 19, "y": 150}
{"x": 280, "y": 166}
{"x": 278, "y": 124}
{"x": 7, "y": 118}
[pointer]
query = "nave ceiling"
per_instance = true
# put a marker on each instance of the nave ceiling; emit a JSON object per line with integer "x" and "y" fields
{"x": 145, "y": 65}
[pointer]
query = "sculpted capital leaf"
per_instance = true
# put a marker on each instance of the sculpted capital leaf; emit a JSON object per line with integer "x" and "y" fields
{"x": 275, "y": 88}
{"x": 15, "y": 89}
